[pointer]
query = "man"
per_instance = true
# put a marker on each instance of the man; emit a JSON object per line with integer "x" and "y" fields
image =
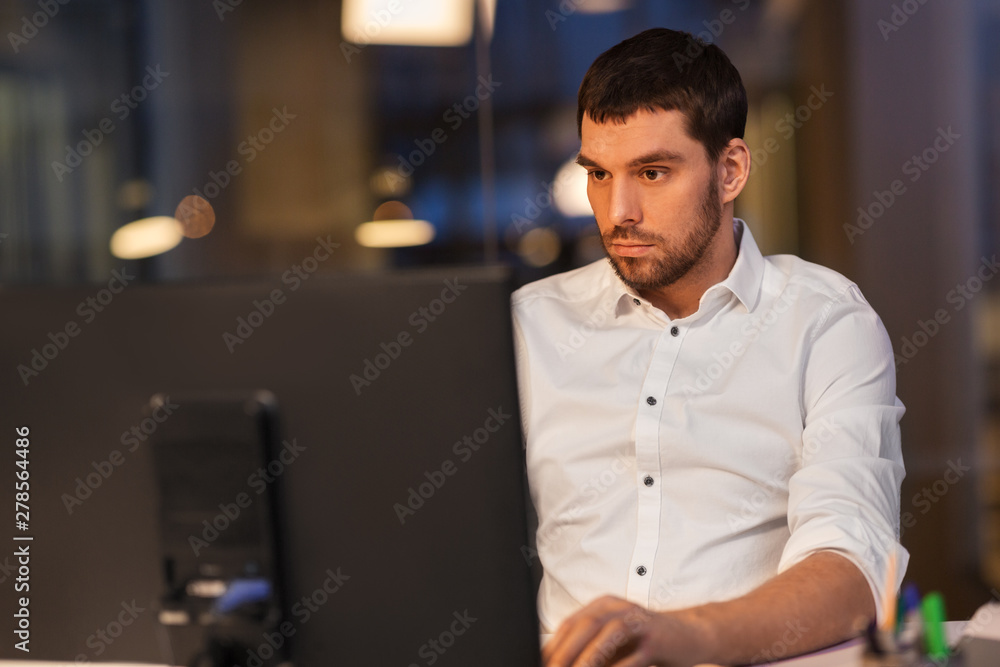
{"x": 712, "y": 436}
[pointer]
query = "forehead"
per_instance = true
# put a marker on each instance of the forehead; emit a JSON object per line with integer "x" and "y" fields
{"x": 641, "y": 133}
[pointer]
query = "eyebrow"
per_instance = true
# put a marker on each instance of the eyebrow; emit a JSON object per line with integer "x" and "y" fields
{"x": 655, "y": 156}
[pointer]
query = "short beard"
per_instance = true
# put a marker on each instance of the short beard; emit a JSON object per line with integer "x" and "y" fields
{"x": 641, "y": 273}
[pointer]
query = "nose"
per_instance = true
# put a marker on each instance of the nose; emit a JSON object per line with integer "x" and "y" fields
{"x": 624, "y": 207}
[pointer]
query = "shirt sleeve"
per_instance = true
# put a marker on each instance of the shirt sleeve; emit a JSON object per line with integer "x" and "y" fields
{"x": 844, "y": 496}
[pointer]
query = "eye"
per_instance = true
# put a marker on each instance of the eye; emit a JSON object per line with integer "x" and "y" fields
{"x": 597, "y": 174}
{"x": 653, "y": 174}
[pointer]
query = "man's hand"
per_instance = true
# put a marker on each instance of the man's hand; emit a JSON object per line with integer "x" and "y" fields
{"x": 612, "y": 631}
{"x": 818, "y": 602}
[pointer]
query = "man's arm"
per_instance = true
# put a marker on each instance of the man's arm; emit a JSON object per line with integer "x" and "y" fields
{"x": 820, "y": 601}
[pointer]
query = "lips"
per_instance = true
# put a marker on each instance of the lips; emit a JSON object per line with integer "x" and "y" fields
{"x": 631, "y": 250}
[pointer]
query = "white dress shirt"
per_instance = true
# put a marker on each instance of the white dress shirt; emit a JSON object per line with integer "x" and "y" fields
{"x": 678, "y": 462}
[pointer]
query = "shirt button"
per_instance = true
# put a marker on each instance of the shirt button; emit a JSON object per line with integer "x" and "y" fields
{"x": 636, "y": 301}
{"x": 641, "y": 570}
{"x": 648, "y": 481}
{"x": 674, "y": 331}
{"x": 651, "y": 400}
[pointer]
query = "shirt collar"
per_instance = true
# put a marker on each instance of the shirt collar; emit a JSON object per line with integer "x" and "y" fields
{"x": 744, "y": 280}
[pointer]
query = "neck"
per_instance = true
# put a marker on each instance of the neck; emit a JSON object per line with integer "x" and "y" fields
{"x": 681, "y": 298}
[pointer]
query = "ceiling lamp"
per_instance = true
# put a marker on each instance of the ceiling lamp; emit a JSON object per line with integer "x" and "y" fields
{"x": 408, "y": 22}
{"x": 146, "y": 237}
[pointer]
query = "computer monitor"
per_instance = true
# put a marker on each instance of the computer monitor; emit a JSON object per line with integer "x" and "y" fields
{"x": 402, "y": 509}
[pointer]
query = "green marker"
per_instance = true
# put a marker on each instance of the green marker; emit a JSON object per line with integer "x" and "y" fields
{"x": 932, "y": 609}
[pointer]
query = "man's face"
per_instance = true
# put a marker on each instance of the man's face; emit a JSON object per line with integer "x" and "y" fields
{"x": 654, "y": 193}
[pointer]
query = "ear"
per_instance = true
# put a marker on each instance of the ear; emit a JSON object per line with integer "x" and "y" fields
{"x": 734, "y": 169}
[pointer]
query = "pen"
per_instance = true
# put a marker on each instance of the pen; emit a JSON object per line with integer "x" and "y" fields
{"x": 933, "y": 613}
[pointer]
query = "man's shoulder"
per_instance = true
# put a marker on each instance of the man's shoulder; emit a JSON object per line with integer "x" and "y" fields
{"x": 805, "y": 278}
{"x": 575, "y": 286}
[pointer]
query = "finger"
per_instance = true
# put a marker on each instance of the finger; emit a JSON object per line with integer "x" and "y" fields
{"x": 572, "y": 637}
{"x": 585, "y": 615}
{"x": 612, "y": 642}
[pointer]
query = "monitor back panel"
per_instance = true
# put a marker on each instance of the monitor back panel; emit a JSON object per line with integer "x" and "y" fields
{"x": 402, "y": 504}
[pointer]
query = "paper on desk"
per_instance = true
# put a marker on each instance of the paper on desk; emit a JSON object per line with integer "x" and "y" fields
{"x": 985, "y": 623}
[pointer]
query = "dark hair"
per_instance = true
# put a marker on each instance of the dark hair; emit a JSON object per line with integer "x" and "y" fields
{"x": 662, "y": 69}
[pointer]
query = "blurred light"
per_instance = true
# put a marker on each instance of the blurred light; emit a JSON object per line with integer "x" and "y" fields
{"x": 570, "y": 191}
{"x": 394, "y": 233}
{"x": 134, "y": 194}
{"x": 603, "y": 6}
{"x": 539, "y": 246}
{"x": 487, "y": 14}
{"x": 388, "y": 182}
{"x": 408, "y": 22}
{"x": 393, "y": 226}
{"x": 196, "y": 215}
{"x": 206, "y": 588}
{"x": 174, "y": 617}
{"x": 146, "y": 237}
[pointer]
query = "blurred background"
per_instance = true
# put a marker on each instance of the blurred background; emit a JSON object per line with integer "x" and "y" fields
{"x": 874, "y": 125}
